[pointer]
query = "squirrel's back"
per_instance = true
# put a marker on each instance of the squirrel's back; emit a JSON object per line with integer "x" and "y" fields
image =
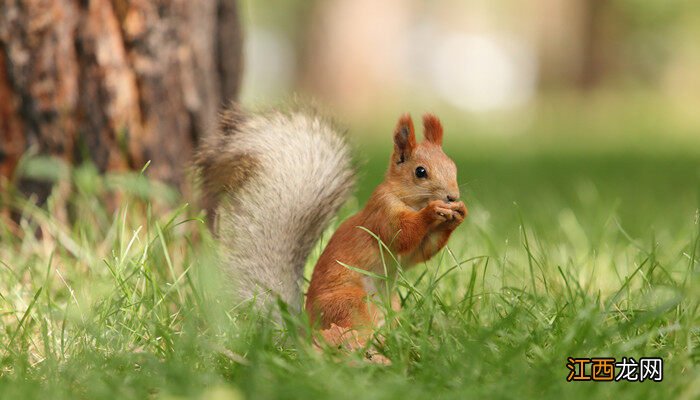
{"x": 272, "y": 182}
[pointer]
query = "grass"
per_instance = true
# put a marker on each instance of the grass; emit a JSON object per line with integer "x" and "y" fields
{"x": 579, "y": 253}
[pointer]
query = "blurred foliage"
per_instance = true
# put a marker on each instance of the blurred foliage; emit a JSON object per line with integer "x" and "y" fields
{"x": 598, "y": 258}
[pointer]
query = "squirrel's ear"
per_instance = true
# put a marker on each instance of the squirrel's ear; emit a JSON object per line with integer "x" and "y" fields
{"x": 432, "y": 129}
{"x": 404, "y": 139}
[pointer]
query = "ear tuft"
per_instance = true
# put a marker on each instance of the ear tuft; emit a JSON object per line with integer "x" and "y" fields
{"x": 432, "y": 129}
{"x": 404, "y": 139}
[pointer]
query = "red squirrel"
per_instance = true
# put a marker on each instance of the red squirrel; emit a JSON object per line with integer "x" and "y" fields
{"x": 298, "y": 163}
{"x": 414, "y": 212}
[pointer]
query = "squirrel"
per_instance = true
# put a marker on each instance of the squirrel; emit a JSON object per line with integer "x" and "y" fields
{"x": 272, "y": 182}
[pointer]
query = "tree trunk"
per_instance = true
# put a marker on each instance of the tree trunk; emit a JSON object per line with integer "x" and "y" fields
{"x": 593, "y": 65}
{"x": 114, "y": 82}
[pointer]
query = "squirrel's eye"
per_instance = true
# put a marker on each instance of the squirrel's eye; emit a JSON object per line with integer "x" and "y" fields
{"x": 421, "y": 172}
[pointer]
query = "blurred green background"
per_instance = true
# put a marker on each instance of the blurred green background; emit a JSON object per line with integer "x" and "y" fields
{"x": 555, "y": 106}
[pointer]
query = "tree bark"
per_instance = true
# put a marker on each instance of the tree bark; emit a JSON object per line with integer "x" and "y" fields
{"x": 114, "y": 82}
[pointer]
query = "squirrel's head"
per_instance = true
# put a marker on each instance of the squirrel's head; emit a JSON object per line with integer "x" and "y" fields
{"x": 421, "y": 172}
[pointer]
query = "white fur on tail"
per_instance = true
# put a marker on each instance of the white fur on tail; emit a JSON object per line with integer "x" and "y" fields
{"x": 269, "y": 218}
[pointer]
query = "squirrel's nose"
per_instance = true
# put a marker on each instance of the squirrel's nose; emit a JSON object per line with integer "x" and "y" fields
{"x": 451, "y": 198}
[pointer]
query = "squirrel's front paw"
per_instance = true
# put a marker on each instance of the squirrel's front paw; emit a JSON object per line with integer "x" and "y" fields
{"x": 459, "y": 211}
{"x": 439, "y": 211}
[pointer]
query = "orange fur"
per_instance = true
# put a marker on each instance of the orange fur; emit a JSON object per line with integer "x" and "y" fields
{"x": 433, "y": 129}
{"x": 414, "y": 216}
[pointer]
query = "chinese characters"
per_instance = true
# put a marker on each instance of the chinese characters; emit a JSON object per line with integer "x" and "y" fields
{"x": 606, "y": 369}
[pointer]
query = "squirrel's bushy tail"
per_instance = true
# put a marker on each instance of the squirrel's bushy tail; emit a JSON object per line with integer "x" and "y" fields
{"x": 272, "y": 182}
